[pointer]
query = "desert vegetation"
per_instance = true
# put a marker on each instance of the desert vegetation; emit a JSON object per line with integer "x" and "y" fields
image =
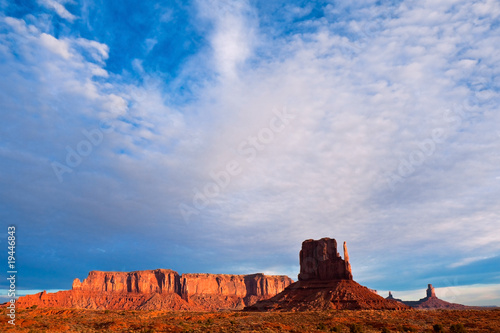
{"x": 81, "y": 320}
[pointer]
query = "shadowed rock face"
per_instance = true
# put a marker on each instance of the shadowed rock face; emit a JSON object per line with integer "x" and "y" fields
{"x": 319, "y": 260}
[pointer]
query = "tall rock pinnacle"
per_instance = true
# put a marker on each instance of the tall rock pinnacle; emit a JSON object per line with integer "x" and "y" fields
{"x": 319, "y": 260}
{"x": 346, "y": 259}
{"x": 430, "y": 291}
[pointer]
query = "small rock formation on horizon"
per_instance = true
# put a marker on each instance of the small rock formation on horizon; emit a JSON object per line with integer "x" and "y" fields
{"x": 392, "y": 298}
{"x": 431, "y": 301}
{"x": 161, "y": 289}
{"x": 430, "y": 291}
{"x": 325, "y": 283}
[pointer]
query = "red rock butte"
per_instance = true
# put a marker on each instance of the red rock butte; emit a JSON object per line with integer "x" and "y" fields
{"x": 319, "y": 260}
{"x": 325, "y": 283}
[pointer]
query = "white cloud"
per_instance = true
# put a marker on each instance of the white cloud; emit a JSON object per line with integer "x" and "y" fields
{"x": 98, "y": 51}
{"x": 58, "y": 7}
{"x": 233, "y": 36}
{"x": 362, "y": 106}
{"x": 55, "y": 45}
{"x": 466, "y": 261}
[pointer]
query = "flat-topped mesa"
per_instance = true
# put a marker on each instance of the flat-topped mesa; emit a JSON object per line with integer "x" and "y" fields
{"x": 319, "y": 260}
{"x": 168, "y": 281}
{"x": 149, "y": 281}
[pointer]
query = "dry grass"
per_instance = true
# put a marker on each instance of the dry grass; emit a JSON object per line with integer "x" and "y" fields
{"x": 80, "y": 320}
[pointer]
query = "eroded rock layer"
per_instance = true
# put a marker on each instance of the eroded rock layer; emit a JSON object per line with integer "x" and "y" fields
{"x": 162, "y": 289}
{"x": 154, "y": 281}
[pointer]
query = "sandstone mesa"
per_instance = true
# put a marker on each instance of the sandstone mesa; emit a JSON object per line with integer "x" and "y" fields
{"x": 161, "y": 289}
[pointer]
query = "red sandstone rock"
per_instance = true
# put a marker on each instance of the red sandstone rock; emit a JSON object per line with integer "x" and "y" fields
{"x": 430, "y": 291}
{"x": 84, "y": 299}
{"x": 319, "y": 260}
{"x": 320, "y": 295}
{"x": 347, "y": 264}
{"x": 222, "y": 291}
{"x": 161, "y": 289}
{"x": 158, "y": 281}
{"x": 325, "y": 283}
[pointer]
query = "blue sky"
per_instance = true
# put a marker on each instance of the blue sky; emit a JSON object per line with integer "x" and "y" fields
{"x": 216, "y": 136}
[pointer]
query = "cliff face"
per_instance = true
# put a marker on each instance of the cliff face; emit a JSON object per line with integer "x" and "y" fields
{"x": 152, "y": 281}
{"x": 222, "y": 291}
{"x": 258, "y": 285}
{"x": 162, "y": 289}
{"x": 211, "y": 284}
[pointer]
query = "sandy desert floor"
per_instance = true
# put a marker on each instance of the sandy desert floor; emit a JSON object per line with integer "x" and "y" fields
{"x": 79, "y": 320}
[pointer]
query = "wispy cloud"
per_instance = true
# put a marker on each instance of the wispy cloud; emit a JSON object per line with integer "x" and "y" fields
{"x": 58, "y": 7}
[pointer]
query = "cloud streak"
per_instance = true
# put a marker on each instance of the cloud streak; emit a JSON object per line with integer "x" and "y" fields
{"x": 59, "y": 8}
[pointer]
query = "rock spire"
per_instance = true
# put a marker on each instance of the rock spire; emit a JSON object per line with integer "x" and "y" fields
{"x": 346, "y": 259}
{"x": 430, "y": 291}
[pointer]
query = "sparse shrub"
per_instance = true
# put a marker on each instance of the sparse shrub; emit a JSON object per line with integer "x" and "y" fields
{"x": 457, "y": 328}
{"x": 438, "y": 328}
{"x": 147, "y": 330}
{"x": 209, "y": 321}
{"x": 355, "y": 328}
{"x": 321, "y": 326}
{"x": 34, "y": 307}
{"x": 385, "y": 330}
{"x": 337, "y": 328}
{"x": 407, "y": 328}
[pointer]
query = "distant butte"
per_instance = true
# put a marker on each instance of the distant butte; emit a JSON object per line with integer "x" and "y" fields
{"x": 431, "y": 301}
{"x": 325, "y": 283}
